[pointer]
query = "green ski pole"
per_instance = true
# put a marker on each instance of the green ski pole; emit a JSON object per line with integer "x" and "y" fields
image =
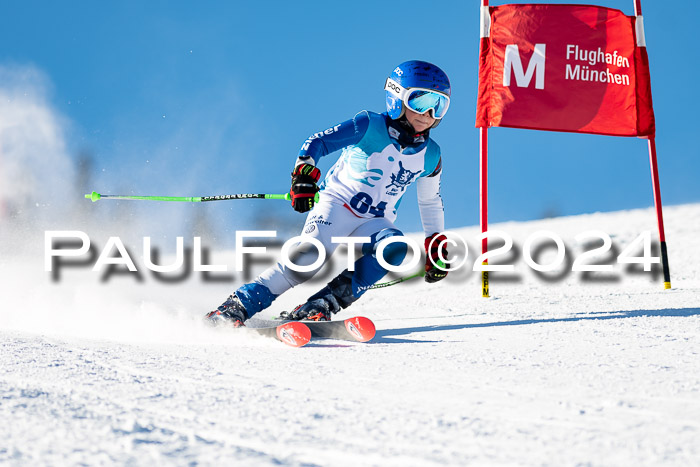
{"x": 95, "y": 196}
{"x": 420, "y": 273}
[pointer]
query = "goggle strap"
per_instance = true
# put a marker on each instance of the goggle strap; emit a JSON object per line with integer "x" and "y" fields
{"x": 394, "y": 88}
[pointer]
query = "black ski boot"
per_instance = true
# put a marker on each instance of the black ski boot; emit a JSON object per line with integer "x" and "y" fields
{"x": 231, "y": 312}
{"x": 317, "y": 309}
{"x": 334, "y": 297}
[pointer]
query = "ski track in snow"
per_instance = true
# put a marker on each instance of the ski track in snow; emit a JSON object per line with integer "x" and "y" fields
{"x": 564, "y": 372}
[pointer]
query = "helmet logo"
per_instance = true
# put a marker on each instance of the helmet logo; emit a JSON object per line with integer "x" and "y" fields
{"x": 393, "y": 86}
{"x": 398, "y": 71}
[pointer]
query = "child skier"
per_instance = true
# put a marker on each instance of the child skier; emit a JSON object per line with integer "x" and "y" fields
{"x": 382, "y": 154}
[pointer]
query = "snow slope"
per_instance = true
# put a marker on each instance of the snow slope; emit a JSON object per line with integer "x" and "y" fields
{"x": 604, "y": 371}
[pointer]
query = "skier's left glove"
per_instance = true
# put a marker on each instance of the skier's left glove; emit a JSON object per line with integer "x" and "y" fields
{"x": 304, "y": 188}
{"x": 434, "y": 244}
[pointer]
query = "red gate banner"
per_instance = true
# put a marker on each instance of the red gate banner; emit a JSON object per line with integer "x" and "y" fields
{"x": 574, "y": 68}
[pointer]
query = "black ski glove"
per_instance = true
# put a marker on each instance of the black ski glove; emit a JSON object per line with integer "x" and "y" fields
{"x": 432, "y": 272}
{"x": 304, "y": 188}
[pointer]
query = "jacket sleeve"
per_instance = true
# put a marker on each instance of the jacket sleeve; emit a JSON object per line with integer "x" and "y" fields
{"x": 334, "y": 138}
{"x": 432, "y": 212}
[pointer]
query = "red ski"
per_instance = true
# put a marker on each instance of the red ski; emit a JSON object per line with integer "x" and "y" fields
{"x": 293, "y": 333}
{"x": 357, "y": 328}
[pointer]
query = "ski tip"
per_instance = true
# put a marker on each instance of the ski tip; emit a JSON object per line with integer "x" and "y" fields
{"x": 294, "y": 333}
{"x": 361, "y": 328}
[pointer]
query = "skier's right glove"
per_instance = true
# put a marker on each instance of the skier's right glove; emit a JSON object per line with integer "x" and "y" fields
{"x": 434, "y": 244}
{"x": 304, "y": 188}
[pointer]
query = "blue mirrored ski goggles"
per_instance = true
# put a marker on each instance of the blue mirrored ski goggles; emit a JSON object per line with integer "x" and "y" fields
{"x": 420, "y": 100}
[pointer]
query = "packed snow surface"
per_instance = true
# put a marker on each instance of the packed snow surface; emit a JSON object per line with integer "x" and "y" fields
{"x": 560, "y": 369}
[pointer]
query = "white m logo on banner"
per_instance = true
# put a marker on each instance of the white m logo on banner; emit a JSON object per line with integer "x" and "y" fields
{"x": 535, "y": 67}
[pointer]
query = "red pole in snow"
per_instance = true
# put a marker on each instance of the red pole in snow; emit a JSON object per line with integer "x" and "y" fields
{"x": 641, "y": 42}
{"x": 659, "y": 213}
{"x": 483, "y": 160}
{"x": 484, "y": 203}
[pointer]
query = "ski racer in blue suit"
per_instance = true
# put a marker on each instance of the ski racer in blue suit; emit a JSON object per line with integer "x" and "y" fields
{"x": 382, "y": 154}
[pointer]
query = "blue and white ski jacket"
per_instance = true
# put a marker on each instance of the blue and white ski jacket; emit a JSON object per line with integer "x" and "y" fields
{"x": 374, "y": 171}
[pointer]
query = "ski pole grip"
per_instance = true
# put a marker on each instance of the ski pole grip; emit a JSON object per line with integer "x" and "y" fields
{"x": 439, "y": 264}
{"x": 288, "y": 197}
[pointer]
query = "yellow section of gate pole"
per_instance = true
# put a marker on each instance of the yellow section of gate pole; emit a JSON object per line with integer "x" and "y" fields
{"x": 485, "y": 281}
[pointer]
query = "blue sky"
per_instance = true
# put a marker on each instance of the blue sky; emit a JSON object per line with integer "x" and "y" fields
{"x": 204, "y": 98}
